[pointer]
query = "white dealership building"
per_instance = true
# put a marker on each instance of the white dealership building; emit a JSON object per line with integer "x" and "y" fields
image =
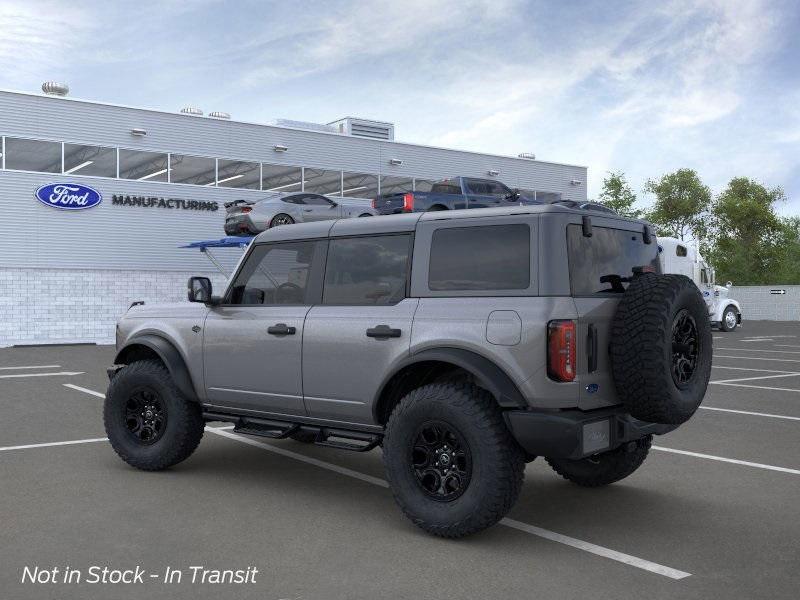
{"x": 161, "y": 180}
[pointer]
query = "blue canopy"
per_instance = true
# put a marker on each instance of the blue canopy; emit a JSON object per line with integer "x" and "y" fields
{"x": 226, "y": 242}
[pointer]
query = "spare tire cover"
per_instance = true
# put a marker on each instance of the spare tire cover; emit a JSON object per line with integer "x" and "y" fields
{"x": 661, "y": 348}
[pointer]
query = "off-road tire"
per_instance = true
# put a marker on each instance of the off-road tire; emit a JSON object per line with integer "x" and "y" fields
{"x": 723, "y": 325}
{"x": 603, "y": 469}
{"x": 497, "y": 461}
{"x": 643, "y": 351}
{"x": 183, "y": 427}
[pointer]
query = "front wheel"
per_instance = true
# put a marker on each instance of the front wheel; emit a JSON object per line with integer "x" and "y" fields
{"x": 452, "y": 465}
{"x": 729, "y": 319}
{"x": 603, "y": 469}
{"x": 149, "y": 423}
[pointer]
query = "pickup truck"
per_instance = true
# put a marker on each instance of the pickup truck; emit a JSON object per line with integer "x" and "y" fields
{"x": 452, "y": 194}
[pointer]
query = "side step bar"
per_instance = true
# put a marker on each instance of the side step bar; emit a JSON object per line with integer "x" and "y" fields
{"x": 344, "y": 439}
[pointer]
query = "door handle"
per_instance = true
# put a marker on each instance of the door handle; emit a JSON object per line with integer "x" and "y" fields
{"x": 383, "y": 331}
{"x": 281, "y": 329}
{"x": 308, "y": 209}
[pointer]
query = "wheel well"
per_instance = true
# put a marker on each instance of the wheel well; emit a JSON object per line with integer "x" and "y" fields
{"x": 437, "y": 207}
{"x": 136, "y": 352}
{"x": 365, "y": 215}
{"x": 410, "y": 378}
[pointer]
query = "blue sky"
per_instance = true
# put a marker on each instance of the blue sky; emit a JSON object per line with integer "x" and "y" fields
{"x": 642, "y": 87}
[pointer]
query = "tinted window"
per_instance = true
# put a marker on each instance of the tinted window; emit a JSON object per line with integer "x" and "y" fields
{"x": 321, "y": 181}
{"x": 610, "y": 255}
{"x": 274, "y": 274}
{"x": 278, "y": 178}
{"x": 478, "y": 187}
{"x": 366, "y": 270}
{"x": 445, "y": 187}
{"x": 197, "y": 170}
{"x": 359, "y": 185}
{"x": 33, "y": 155}
{"x": 425, "y": 185}
{"x": 680, "y": 251}
{"x": 315, "y": 200}
{"x": 90, "y": 160}
{"x": 238, "y": 174}
{"x": 396, "y": 185}
{"x": 493, "y": 257}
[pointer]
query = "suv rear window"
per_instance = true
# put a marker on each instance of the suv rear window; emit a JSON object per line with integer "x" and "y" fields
{"x": 367, "y": 270}
{"x": 610, "y": 254}
{"x": 491, "y": 257}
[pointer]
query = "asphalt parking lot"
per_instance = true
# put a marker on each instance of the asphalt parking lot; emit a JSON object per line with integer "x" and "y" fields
{"x": 713, "y": 513}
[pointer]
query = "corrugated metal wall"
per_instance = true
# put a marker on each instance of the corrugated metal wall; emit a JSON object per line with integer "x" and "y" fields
{"x": 768, "y": 302}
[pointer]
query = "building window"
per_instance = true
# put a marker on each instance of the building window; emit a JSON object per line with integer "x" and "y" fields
{"x": 321, "y": 181}
{"x": 396, "y": 185}
{"x": 500, "y": 258}
{"x": 359, "y": 185}
{"x": 196, "y": 170}
{"x": 143, "y": 166}
{"x": 98, "y": 161}
{"x": 367, "y": 270}
{"x": 280, "y": 178}
{"x": 238, "y": 174}
{"x": 33, "y": 155}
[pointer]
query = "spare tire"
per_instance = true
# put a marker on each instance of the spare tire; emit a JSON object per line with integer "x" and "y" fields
{"x": 661, "y": 348}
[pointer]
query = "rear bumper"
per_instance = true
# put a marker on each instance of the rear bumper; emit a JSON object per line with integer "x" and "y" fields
{"x": 575, "y": 434}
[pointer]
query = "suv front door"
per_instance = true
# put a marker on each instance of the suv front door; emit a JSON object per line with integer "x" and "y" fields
{"x": 252, "y": 342}
{"x": 361, "y": 329}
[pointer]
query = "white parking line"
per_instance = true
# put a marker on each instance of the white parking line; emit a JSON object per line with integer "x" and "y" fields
{"x": 31, "y": 367}
{"x": 17, "y": 375}
{"x": 756, "y": 340}
{"x": 747, "y": 412}
{"x": 759, "y": 387}
{"x": 537, "y": 531}
{"x": 48, "y": 444}
{"x": 759, "y": 350}
{"x": 754, "y": 378}
{"x": 83, "y": 389}
{"x": 793, "y": 360}
{"x": 786, "y": 346}
{"x": 729, "y": 460}
{"x": 750, "y": 369}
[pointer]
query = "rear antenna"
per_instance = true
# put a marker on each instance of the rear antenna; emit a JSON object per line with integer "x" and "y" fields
{"x": 587, "y": 226}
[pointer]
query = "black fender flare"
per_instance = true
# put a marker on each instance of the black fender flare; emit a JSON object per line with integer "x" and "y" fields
{"x": 489, "y": 375}
{"x": 169, "y": 355}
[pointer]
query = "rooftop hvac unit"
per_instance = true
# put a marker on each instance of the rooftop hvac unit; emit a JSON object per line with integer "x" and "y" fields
{"x": 215, "y": 114}
{"x": 53, "y": 88}
{"x": 192, "y": 110}
{"x": 376, "y": 130}
{"x": 303, "y": 125}
{"x": 527, "y": 155}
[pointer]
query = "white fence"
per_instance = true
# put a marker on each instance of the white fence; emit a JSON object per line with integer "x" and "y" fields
{"x": 768, "y": 302}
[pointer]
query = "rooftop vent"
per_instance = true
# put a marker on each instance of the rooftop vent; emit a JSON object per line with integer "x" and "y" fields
{"x": 376, "y": 130}
{"x": 527, "y": 155}
{"x": 303, "y": 125}
{"x": 53, "y": 88}
{"x": 219, "y": 115}
{"x": 192, "y": 110}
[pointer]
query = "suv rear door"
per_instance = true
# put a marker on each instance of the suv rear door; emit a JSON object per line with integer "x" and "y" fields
{"x": 614, "y": 248}
{"x": 252, "y": 342}
{"x": 361, "y": 328}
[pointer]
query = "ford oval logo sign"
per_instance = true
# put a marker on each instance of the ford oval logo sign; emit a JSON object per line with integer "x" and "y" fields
{"x": 68, "y": 196}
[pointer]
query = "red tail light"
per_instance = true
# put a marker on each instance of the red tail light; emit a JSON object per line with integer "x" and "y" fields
{"x": 246, "y": 209}
{"x": 561, "y": 350}
{"x": 374, "y": 202}
{"x": 408, "y": 202}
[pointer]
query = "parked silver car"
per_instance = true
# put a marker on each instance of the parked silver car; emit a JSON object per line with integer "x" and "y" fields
{"x": 251, "y": 217}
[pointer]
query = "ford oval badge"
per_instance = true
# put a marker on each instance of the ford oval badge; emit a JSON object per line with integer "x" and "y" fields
{"x": 68, "y": 196}
{"x": 592, "y": 388}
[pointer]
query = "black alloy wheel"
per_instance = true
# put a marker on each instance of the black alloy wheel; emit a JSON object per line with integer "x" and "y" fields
{"x": 145, "y": 416}
{"x": 281, "y": 219}
{"x": 441, "y": 461}
{"x": 685, "y": 348}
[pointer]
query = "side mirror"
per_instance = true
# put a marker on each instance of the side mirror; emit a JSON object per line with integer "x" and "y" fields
{"x": 729, "y": 284}
{"x": 334, "y": 204}
{"x": 199, "y": 289}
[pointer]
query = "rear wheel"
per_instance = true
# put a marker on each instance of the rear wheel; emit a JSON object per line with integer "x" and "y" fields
{"x": 149, "y": 423}
{"x": 281, "y": 219}
{"x": 451, "y": 463}
{"x": 729, "y": 319}
{"x": 603, "y": 469}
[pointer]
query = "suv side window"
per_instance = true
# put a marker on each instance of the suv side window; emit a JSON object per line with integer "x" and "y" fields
{"x": 489, "y": 257}
{"x": 446, "y": 187}
{"x": 367, "y": 270}
{"x": 274, "y": 274}
{"x": 295, "y": 199}
{"x": 475, "y": 186}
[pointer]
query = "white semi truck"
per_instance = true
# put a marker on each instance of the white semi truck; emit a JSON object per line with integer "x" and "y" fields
{"x": 679, "y": 257}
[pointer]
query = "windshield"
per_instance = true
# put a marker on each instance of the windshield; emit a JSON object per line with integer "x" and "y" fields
{"x": 604, "y": 262}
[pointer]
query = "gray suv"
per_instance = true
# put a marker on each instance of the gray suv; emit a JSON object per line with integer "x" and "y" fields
{"x": 464, "y": 343}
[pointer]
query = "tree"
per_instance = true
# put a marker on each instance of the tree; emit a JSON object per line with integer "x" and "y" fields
{"x": 681, "y": 205}
{"x": 751, "y": 244}
{"x": 618, "y": 195}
